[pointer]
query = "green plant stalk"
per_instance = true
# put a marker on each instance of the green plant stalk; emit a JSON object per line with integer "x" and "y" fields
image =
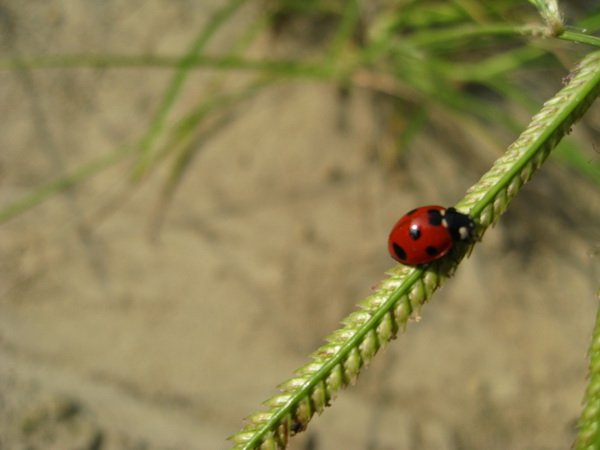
{"x": 399, "y": 297}
{"x": 588, "y": 436}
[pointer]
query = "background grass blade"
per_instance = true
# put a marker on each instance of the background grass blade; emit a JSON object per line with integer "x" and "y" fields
{"x": 146, "y": 155}
{"x": 62, "y": 184}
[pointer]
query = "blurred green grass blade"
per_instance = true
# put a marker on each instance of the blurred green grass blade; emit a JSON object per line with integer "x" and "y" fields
{"x": 62, "y": 184}
{"x": 580, "y": 38}
{"x": 568, "y": 152}
{"x": 591, "y": 23}
{"x": 416, "y": 123}
{"x": 419, "y": 14}
{"x": 588, "y": 435}
{"x": 250, "y": 35}
{"x": 146, "y": 149}
{"x": 189, "y": 139}
{"x": 547, "y": 128}
{"x": 281, "y": 67}
{"x": 88, "y": 61}
{"x": 192, "y": 119}
{"x": 183, "y": 132}
{"x": 439, "y": 87}
{"x": 345, "y": 30}
{"x": 492, "y": 67}
{"x": 452, "y": 36}
{"x": 572, "y": 156}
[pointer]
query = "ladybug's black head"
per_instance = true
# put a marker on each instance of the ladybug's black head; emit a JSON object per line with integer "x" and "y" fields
{"x": 460, "y": 226}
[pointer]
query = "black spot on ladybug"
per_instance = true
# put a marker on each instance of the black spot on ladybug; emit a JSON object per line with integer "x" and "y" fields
{"x": 434, "y": 217}
{"x": 431, "y": 251}
{"x": 399, "y": 251}
{"x": 414, "y": 232}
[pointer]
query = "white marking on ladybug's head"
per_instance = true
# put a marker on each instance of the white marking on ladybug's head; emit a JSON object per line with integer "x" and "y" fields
{"x": 444, "y": 223}
{"x": 463, "y": 232}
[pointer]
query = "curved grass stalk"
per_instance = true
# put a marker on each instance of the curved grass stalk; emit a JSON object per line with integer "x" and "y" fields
{"x": 588, "y": 436}
{"x": 182, "y": 129}
{"x": 399, "y": 297}
{"x": 146, "y": 149}
{"x": 63, "y": 183}
{"x": 187, "y": 136}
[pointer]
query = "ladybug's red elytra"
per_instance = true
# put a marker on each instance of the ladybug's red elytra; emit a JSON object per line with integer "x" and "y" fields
{"x": 427, "y": 233}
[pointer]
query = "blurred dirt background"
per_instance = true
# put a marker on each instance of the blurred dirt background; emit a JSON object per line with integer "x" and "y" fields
{"x": 110, "y": 339}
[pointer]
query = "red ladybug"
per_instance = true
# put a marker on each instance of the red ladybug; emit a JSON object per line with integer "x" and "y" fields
{"x": 428, "y": 233}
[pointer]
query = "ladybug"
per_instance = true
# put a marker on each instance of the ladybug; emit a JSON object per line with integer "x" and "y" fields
{"x": 427, "y": 233}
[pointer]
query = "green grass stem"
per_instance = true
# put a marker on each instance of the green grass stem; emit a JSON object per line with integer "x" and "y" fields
{"x": 386, "y": 311}
{"x": 588, "y": 436}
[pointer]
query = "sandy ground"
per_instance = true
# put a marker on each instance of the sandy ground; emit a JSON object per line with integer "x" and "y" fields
{"x": 112, "y": 340}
